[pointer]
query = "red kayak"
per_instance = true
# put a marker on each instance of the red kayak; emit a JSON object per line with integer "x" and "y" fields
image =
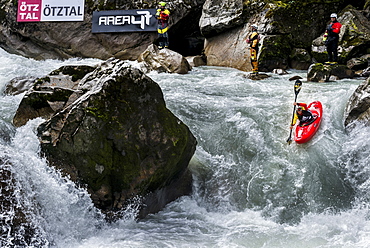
{"x": 306, "y": 132}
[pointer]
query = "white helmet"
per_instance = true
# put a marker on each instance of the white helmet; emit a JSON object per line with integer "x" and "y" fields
{"x": 333, "y": 15}
{"x": 254, "y": 26}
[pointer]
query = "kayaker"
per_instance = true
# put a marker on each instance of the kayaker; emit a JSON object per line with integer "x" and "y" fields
{"x": 253, "y": 41}
{"x": 302, "y": 114}
{"x": 331, "y": 39}
{"x": 163, "y": 14}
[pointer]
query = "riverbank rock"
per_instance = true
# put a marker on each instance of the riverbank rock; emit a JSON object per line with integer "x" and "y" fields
{"x": 163, "y": 60}
{"x": 49, "y": 94}
{"x": 300, "y": 59}
{"x": 198, "y": 60}
{"x": 62, "y": 40}
{"x": 325, "y": 73}
{"x": 287, "y": 30}
{"x": 358, "y": 107}
{"x": 283, "y": 43}
{"x": 119, "y": 140}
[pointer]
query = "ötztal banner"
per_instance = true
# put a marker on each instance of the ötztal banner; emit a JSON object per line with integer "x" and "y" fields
{"x": 139, "y": 20}
{"x": 50, "y": 10}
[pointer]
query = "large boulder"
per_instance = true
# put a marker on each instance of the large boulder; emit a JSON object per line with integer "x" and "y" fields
{"x": 324, "y": 73}
{"x": 357, "y": 64}
{"x": 358, "y": 107}
{"x": 119, "y": 140}
{"x": 163, "y": 60}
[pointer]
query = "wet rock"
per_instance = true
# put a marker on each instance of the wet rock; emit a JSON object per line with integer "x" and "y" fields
{"x": 163, "y": 60}
{"x": 322, "y": 72}
{"x": 280, "y": 71}
{"x": 195, "y": 61}
{"x": 19, "y": 85}
{"x": 359, "y": 63}
{"x": 43, "y": 102}
{"x": 358, "y": 107}
{"x": 256, "y": 76}
{"x": 119, "y": 141}
{"x": 50, "y": 94}
{"x": 295, "y": 78}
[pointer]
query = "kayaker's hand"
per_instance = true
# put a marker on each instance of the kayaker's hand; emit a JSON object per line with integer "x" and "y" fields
{"x": 291, "y": 127}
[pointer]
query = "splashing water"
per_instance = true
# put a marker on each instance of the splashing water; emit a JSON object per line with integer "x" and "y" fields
{"x": 250, "y": 188}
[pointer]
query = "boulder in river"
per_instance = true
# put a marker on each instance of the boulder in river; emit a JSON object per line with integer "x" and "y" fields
{"x": 358, "y": 107}
{"x": 119, "y": 140}
{"x": 325, "y": 72}
{"x": 163, "y": 60}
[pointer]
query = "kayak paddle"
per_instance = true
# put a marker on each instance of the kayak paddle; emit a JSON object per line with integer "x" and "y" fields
{"x": 297, "y": 89}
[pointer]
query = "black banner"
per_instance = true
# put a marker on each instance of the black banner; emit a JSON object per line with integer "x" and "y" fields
{"x": 138, "y": 20}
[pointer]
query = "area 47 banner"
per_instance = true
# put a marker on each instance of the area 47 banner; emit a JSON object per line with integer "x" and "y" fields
{"x": 50, "y": 10}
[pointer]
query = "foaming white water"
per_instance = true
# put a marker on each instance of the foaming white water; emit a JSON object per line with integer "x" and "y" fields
{"x": 12, "y": 66}
{"x": 184, "y": 224}
{"x": 63, "y": 212}
{"x": 250, "y": 188}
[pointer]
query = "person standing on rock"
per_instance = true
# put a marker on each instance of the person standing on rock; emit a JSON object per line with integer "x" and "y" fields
{"x": 331, "y": 39}
{"x": 163, "y": 15}
{"x": 253, "y": 41}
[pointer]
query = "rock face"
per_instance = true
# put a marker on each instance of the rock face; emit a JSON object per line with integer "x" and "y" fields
{"x": 358, "y": 107}
{"x": 218, "y": 16}
{"x": 325, "y": 73}
{"x": 198, "y": 60}
{"x": 164, "y": 60}
{"x": 60, "y": 40}
{"x": 288, "y": 30}
{"x": 284, "y": 26}
{"x": 119, "y": 140}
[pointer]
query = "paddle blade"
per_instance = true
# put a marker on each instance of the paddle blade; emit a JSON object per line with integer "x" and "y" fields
{"x": 289, "y": 140}
{"x": 297, "y": 86}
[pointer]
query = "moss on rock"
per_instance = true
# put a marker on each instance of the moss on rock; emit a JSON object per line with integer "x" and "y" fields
{"x": 120, "y": 140}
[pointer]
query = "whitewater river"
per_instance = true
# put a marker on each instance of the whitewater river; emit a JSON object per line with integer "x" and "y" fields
{"x": 251, "y": 189}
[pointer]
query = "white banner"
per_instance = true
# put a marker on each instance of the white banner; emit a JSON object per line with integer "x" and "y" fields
{"x": 50, "y": 10}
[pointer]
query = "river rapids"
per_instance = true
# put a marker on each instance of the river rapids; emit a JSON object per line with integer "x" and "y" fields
{"x": 251, "y": 189}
